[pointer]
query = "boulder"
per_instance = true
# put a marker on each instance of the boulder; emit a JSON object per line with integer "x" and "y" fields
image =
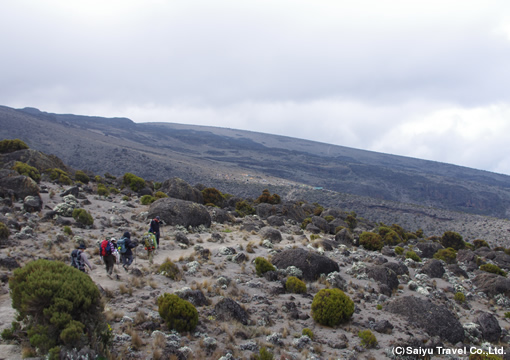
{"x": 321, "y": 223}
{"x": 196, "y": 297}
{"x": 180, "y": 212}
{"x": 436, "y": 320}
{"x": 270, "y": 234}
{"x": 383, "y": 275}
{"x": 227, "y": 309}
{"x": 32, "y": 204}
{"x": 428, "y": 248}
{"x": 492, "y": 284}
{"x": 275, "y": 221}
{"x": 180, "y": 237}
{"x": 310, "y": 263}
{"x": 19, "y": 186}
{"x": 179, "y": 189}
{"x": 398, "y": 267}
{"x": 220, "y": 216}
{"x": 456, "y": 270}
{"x": 433, "y": 268}
{"x": 489, "y": 326}
{"x": 8, "y": 262}
{"x": 345, "y": 237}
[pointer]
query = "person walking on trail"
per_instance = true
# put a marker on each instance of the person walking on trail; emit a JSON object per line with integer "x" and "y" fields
{"x": 149, "y": 241}
{"x": 154, "y": 228}
{"x": 106, "y": 251}
{"x": 127, "y": 255}
{"x": 79, "y": 258}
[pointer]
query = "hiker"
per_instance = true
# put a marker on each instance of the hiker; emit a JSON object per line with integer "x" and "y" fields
{"x": 79, "y": 258}
{"x": 154, "y": 228}
{"x": 124, "y": 246}
{"x": 106, "y": 251}
{"x": 149, "y": 241}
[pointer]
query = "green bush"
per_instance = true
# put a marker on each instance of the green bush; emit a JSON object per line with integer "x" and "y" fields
{"x": 491, "y": 268}
{"x": 484, "y": 356}
{"x": 329, "y": 218}
{"x": 8, "y": 146}
{"x": 453, "y": 240}
{"x": 160, "y": 195}
{"x": 264, "y": 354}
{"x": 507, "y": 315}
{"x": 459, "y": 297}
{"x": 331, "y": 307}
{"x": 27, "y": 170}
{"x": 213, "y": 196}
{"x": 147, "y": 199}
{"x": 368, "y": 339}
{"x": 448, "y": 255}
{"x": 134, "y": 182}
{"x": 305, "y": 222}
{"x": 318, "y": 210}
{"x": 81, "y": 177}
{"x": 295, "y": 285}
{"x": 4, "y": 231}
{"x": 243, "y": 208}
{"x": 307, "y": 332}
{"x": 179, "y": 314}
{"x": 266, "y": 197}
{"x": 102, "y": 190}
{"x": 262, "y": 266}
{"x": 413, "y": 256}
{"x": 392, "y": 238}
{"x": 351, "y": 221}
{"x": 67, "y": 230}
{"x": 113, "y": 190}
{"x": 399, "y": 250}
{"x": 60, "y": 176}
{"x": 83, "y": 217}
{"x": 57, "y": 305}
{"x": 98, "y": 179}
{"x": 478, "y": 243}
{"x": 169, "y": 269}
{"x": 371, "y": 241}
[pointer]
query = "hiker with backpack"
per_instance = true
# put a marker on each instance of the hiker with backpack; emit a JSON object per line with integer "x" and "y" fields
{"x": 79, "y": 258}
{"x": 149, "y": 241}
{"x": 106, "y": 251}
{"x": 154, "y": 228}
{"x": 124, "y": 246}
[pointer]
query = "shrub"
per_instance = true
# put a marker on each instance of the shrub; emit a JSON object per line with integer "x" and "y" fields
{"x": 58, "y": 305}
{"x": 102, "y": 190}
{"x": 179, "y": 314}
{"x": 295, "y": 285}
{"x": 307, "y": 332}
{"x": 478, "y": 243}
{"x": 484, "y": 356}
{"x": 371, "y": 241}
{"x": 448, "y": 255}
{"x": 351, "y": 221}
{"x": 169, "y": 269}
{"x": 81, "y": 177}
{"x": 60, "y": 176}
{"x": 331, "y": 307}
{"x": 338, "y": 228}
{"x": 98, "y": 179}
{"x": 132, "y": 181}
{"x": 507, "y": 315}
{"x": 160, "y": 195}
{"x": 392, "y": 238}
{"x": 413, "y": 256}
{"x": 329, "y": 218}
{"x": 368, "y": 339}
{"x": 399, "y": 250}
{"x": 82, "y": 216}
{"x": 491, "y": 268}
{"x": 459, "y": 297}
{"x": 67, "y": 230}
{"x": 213, "y": 196}
{"x": 318, "y": 210}
{"x": 147, "y": 199}
{"x": 453, "y": 240}
{"x": 4, "y": 231}
{"x": 113, "y": 190}
{"x": 157, "y": 185}
{"x": 262, "y": 266}
{"x": 8, "y": 146}
{"x": 243, "y": 208}
{"x": 419, "y": 233}
{"x": 305, "y": 222}
{"x": 27, "y": 170}
{"x": 266, "y": 197}
{"x": 264, "y": 354}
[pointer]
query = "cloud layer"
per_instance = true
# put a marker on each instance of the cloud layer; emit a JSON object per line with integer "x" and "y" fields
{"x": 421, "y": 79}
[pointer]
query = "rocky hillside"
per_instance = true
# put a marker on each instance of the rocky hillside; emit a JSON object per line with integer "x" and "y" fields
{"x": 240, "y": 162}
{"x": 409, "y": 294}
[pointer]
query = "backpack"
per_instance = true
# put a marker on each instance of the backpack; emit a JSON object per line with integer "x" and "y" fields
{"x": 76, "y": 259}
{"x": 121, "y": 245}
{"x": 149, "y": 240}
{"x": 105, "y": 249}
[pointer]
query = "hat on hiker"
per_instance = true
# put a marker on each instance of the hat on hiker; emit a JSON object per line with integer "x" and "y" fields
{"x": 82, "y": 246}
{"x": 157, "y": 218}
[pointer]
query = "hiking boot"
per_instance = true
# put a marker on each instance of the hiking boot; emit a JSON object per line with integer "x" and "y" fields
{"x": 109, "y": 276}
{"x": 125, "y": 268}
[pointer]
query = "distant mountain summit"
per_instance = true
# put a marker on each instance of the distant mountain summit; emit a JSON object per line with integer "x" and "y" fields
{"x": 244, "y": 162}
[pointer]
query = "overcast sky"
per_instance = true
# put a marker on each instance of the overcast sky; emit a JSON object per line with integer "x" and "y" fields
{"x": 426, "y": 79}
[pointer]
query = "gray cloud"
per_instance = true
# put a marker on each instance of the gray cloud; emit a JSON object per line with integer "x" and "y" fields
{"x": 370, "y": 75}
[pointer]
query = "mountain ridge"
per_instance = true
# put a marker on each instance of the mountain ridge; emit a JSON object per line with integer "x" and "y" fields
{"x": 246, "y": 160}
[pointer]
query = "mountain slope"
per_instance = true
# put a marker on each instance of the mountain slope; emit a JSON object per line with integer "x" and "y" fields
{"x": 243, "y": 161}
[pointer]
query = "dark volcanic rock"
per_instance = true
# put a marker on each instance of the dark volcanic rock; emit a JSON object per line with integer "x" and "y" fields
{"x": 32, "y": 204}
{"x": 270, "y": 234}
{"x": 180, "y": 212}
{"x": 492, "y": 284}
{"x": 489, "y": 325}
{"x": 456, "y": 270}
{"x": 433, "y": 268}
{"x": 312, "y": 264}
{"x": 227, "y": 309}
{"x": 180, "y": 189}
{"x": 11, "y": 183}
{"x": 436, "y": 320}
{"x": 428, "y": 248}
{"x": 344, "y": 237}
{"x": 384, "y": 275}
{"x": 398, "y": 267}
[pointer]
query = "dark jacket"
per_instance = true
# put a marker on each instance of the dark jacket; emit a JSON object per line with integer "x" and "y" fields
{"x": 129, "y": 244}
{"x": 155, "y": 226}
